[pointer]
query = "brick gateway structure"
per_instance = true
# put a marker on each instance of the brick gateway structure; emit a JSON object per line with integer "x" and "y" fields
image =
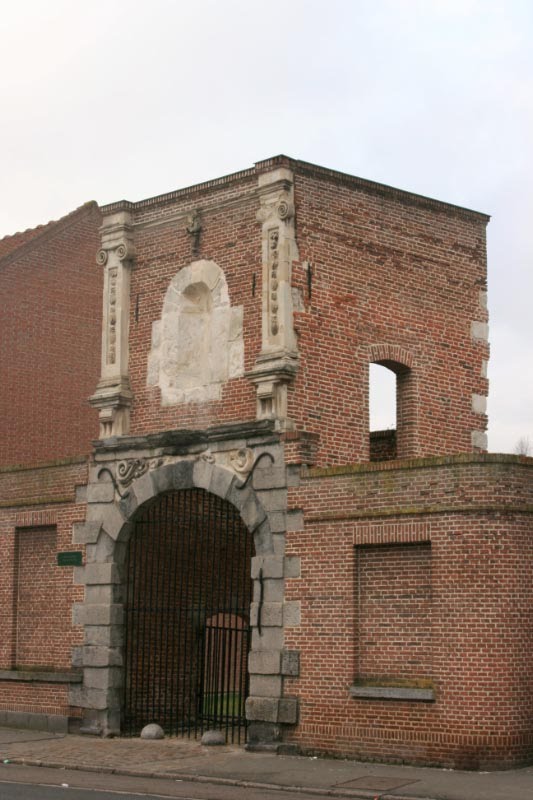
{"x": 391, "y": 573}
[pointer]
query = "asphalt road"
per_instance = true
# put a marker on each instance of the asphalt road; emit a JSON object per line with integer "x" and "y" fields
{"x": 41, "y": 783}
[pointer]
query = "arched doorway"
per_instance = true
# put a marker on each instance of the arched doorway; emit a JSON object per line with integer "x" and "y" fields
{"x": 187, "y": 602}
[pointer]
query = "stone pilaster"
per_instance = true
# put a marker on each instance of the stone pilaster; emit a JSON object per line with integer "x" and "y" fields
{"x": 277, "y": 364}
{"x": 113, "y": 394}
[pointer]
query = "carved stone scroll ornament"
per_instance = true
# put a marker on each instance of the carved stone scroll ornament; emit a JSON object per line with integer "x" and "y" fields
{"x": 128, "y": 471}
{"x": 101, "y": 257}
{"x": 242, "y": 461}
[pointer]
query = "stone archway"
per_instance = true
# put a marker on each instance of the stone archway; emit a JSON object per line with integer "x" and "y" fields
{"x": 105, "y": 533}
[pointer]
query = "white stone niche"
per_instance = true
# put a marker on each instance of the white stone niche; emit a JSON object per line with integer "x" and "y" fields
{"x": 197, "y": 345}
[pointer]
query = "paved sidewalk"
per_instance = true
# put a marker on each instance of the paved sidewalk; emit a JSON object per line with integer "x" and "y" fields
{"x": 189, "y": 760}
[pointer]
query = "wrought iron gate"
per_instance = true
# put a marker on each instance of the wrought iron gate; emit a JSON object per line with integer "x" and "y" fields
{"x": 187, "y": 603}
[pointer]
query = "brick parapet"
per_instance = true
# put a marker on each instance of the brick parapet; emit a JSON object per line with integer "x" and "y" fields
{"x": 472, "y": 515}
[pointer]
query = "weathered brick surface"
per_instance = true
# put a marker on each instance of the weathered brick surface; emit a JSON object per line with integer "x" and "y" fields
{"x": 50, "y": 329}
{"x": 37, "y": 513}
{"x": 373, "y": 535}
{"x": 395, "y": 279}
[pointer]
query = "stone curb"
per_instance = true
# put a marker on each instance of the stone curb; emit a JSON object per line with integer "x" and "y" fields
{"x": 357, "y": 794}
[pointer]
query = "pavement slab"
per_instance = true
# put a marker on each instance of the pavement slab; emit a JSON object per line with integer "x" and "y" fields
{"x": 188, "y": 759}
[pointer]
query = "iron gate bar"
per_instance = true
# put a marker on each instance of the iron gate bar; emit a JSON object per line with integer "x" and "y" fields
{"x": 187, "y": 600}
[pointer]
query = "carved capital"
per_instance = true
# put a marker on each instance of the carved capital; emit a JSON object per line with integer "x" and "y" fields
{"x": 101, "y": 257}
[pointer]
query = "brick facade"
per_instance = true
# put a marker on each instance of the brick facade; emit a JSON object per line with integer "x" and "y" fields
{"x": 225, "y": 337}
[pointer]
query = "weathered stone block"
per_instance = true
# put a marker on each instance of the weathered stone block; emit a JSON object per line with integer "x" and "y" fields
{"x": 100, "y": 595}
{"x": 288, "y": 711}
{"x": 270, "y": 639}
{"x": 88, "y": 698}
{"x": 271, "y": 565}
{"x": 163, "y": 479}
{"x": 479, "y": 440}
{"x": 260, "y": 733}
{"x": 271, "y": 614}
{"x": 290, "y": 663}
{"x": 292, "y": 613}
{"x": 263, "y": 709}
{"x": 109, "y": 515}
{"x": 277, "y": 521}
{"x": 263, "y": 539}
{"x": 128, "y": 504}
{"x": 295, "y": 520}
{"x": 221, "y": 481}
{"x": 292, "y": 567}
{"x": 293, "y": 475}
{"x": 252, "y": 513}
{"x": 85, "y": 614}
{"x": 103, "y": 677}
{"x": 202, "y": 474}
{"x": 480, "y": 330}
{"x": 264, "y": 662}
{"x": 101, "y": 552}
{"x": 273, "y": 590}
{"x": 143, "y": 488}
{"x": 106, "y": 635}
{"x": 479, "y": 404}
{"x": 80, "y": 494}
{"x": 92, "y": 574}
{"x": 77, "y": 656}
{"x": 100, "y": 656}
{"x": 279, "y": 542}
{"x": 274, "y": 499}
{"x": 265, "y": 685}
{"x": 269, "y": 477}
{"x": 86, "y": 532}
{"x": 182, "y": 475}
{"x": 103, "y": 492}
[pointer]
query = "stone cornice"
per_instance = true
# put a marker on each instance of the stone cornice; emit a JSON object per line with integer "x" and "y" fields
{"x": 181, "y": 441}
{"x": 301, "y": 168}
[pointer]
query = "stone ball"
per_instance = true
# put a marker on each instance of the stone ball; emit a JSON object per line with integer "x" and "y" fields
{"x": 213, "y": 737}
{"x": 152, "y": 731}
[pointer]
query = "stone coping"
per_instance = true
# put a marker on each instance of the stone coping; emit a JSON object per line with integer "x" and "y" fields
{"x": 41, "y": 676}
{"x": 392, "y": 693}
{"x": 422, "y": 462}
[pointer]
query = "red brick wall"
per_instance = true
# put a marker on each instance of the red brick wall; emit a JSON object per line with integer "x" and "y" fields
{"x": 476, "y": 512}
{"x": 50, "y": 329}
{"x": 387, "y": 269}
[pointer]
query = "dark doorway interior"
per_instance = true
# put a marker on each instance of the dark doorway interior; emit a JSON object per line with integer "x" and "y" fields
{"x": 188, "y": 594}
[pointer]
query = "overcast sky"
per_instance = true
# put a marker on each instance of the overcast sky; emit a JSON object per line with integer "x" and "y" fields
{"x": 106, "y": 100}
